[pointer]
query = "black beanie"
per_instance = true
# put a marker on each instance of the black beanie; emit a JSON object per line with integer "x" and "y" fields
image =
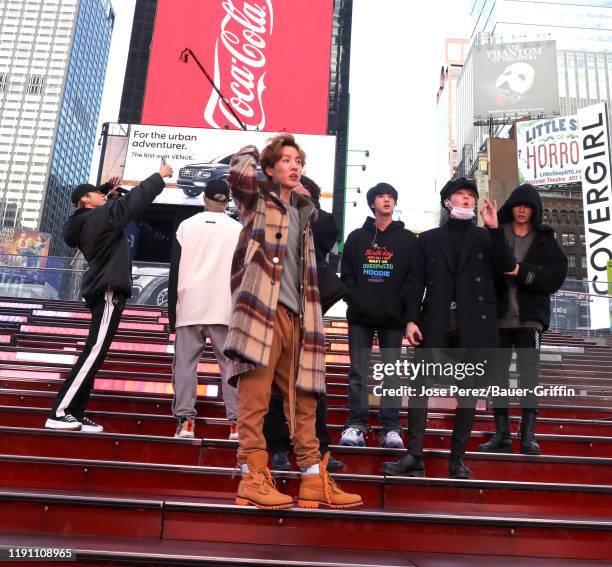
{"x": 455, "y": 185}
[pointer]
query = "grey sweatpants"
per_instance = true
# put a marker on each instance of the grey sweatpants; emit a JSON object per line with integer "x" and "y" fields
{"x": 188, "y": 347}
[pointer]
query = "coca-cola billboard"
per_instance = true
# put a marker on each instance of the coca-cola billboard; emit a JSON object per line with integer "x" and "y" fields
{"x": 269, "y": 58}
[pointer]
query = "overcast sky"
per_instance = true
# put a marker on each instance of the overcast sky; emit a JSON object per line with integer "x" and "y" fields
{"x": 396, "y": 55}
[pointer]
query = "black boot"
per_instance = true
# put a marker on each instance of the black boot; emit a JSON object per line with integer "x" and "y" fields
{"x": 464, "y": 417}
{"x": 528, "y": 442}
{"x": 280, "y": 461}
{"x": 501, "y": 441}
{"x": 457, "y": 468}
{"x": 408, "y": 465}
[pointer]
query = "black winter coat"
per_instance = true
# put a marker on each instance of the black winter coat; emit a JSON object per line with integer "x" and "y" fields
{"x": 484, "y": 252}
{"x": 324, "y": 233}
{"x": 544, "y": 269}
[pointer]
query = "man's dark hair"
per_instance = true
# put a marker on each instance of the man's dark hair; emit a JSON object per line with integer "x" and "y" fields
{"x": 313, "y": 188}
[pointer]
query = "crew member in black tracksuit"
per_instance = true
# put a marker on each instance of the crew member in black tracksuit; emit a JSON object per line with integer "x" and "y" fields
{"x": 96, "y": 228}
{"x": 452, "y": 306}
{"x": 523, "y": 305}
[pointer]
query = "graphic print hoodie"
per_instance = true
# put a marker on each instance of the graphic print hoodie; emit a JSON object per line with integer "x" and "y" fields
{"x": 376, "y": 269}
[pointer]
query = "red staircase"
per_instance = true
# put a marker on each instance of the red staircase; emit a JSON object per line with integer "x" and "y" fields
{"x": 136, "y": 495}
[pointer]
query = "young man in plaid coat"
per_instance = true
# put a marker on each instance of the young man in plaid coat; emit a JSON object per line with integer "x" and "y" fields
{"x": 276, "y": 336}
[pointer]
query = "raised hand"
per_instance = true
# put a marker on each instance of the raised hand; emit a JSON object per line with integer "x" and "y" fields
{"x": 489, "y": 213}
{"x": 165, "y": 170}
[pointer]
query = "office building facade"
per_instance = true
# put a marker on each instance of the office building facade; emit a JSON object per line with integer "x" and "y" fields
{"x": 53, "y": 58}
{"x": 584, "y": 25}
{"x": 455, "y": 51}
{"x": 132, "y": 97}
{"x": 75, "y": 133}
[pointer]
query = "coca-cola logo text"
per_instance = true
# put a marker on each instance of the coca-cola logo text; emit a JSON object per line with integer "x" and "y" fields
{"x": 239, "y": 64}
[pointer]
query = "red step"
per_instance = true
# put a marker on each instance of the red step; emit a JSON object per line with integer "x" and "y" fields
{"x": 392, "y": 493}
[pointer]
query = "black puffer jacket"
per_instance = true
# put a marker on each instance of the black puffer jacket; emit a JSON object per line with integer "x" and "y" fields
{"x": 544, "y": 269}
{"x": 98, "y": 234}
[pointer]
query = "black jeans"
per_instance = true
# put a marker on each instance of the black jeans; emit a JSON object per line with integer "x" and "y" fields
{"x": 276, "y": 430}
{"x": 464, "y": 414}
{"x": 526, "y": 341}
{"x": 360, "y": 350}
{"x": 72, "y": 398}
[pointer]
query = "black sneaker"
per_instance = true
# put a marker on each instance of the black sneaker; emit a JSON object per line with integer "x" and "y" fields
{"x": 90, "y": 426}
{"x": 67, "y": 422}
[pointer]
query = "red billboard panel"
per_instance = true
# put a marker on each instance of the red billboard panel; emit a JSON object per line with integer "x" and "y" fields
{"x": 269, "y": 58}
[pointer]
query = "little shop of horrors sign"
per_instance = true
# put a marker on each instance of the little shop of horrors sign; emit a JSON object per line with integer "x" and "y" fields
{"x": 548, "y": 151}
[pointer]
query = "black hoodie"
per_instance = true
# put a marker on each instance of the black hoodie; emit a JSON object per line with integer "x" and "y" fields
{"x": 98, "y": 234}
{"x": 375, "y": 268}
{"x": 544, "y": 269}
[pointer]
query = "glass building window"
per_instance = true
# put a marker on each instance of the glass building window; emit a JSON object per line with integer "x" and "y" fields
{"x": 568, "y": 239}
{"x": 35, "y": 84}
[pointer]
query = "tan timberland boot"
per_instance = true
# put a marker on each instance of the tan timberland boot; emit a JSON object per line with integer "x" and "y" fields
{"x": 258, "y": 488}
{"x": 321, "y": 490}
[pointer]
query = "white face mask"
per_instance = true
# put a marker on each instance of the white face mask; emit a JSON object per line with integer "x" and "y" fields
{"x": 460, "y": 213}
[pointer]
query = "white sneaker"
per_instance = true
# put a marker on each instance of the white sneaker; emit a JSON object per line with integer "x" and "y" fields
{"x": 233, "y": 436}
{"x": 67, "y": 423}
{"x": 185, "y": 428}
{"x": 392, "y": 440}
{"x": 352, "y": 437}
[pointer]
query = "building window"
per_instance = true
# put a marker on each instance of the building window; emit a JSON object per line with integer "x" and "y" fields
{"x": 563, "y": 217}
{"x": 572, "y": 217}
{"x": 571, "y": 260}
{"x": 35, "y": 84}
{"x": 583, "y": 263}
{"x": 582, "y": 238}
{"x": 568, "y": 239}
{"x": 545, "y": 215}
{"x": 555, "y": 216}
{"x": 4, "y": 82}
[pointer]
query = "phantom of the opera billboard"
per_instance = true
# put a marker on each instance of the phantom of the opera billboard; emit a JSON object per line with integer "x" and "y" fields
{"x": 515, "y": 79}
{"x": 548, "y": 151}
{"x": 199, "y": 155}
{"x": 269, "y": 58}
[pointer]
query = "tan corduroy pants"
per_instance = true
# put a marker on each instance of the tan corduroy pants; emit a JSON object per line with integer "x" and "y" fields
{"x": 254, "y": 390}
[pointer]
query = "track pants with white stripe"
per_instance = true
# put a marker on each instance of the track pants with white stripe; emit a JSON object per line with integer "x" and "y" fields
{"x": 74, "y": 394}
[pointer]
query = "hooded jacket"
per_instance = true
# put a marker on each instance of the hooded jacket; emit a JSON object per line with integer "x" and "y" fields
{"x": 98, "y": 234}
{"x": 376, "y": 269}
{"x": 544, "y": 269}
